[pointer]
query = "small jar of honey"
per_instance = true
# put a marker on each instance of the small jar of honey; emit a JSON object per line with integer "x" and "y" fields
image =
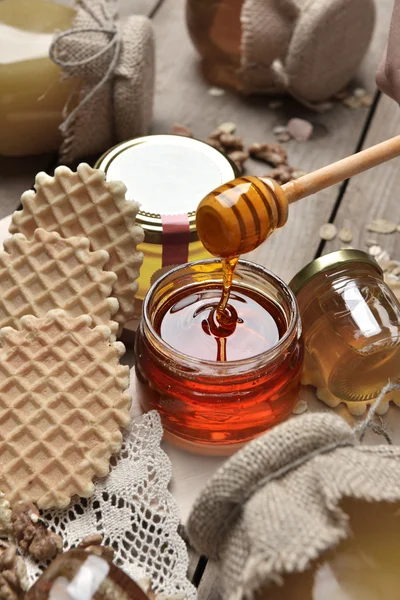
{"x": 218, "y": 387}
{"x": 351, "y": 322}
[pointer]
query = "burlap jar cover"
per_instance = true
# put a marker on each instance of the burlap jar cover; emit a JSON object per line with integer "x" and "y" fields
{"x": 115, "y": 61}
{"x": 308, "y": 48}
{"x": 274, "y": 507}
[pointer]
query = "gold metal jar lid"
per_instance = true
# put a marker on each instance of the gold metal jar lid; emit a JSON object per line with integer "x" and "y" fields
{"x": 328, "y": 262}
{"x": 168, "y": 175}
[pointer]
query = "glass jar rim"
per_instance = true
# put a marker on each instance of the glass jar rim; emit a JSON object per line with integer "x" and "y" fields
{"x": 267, "y": 356}
{"x": 328, "y": 262}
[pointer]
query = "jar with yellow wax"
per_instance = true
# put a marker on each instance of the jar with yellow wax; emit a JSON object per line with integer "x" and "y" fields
{"x": 351, "y": 325}
{"x": 32, "y": 92}
{"x": 168, "y": 175}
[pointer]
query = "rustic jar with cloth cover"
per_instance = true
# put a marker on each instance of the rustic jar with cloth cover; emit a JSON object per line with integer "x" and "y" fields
{"x": 304, "y": 508}
{"x": 74, "y": 76}
{"x": 310, "y": 49}
{"x": 115, "y": 61}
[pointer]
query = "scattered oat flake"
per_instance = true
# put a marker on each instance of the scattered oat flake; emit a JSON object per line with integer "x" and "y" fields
{"x": 216, "y": 91}
{"x": 227, "y": 127}
{"x": 374, "y": 250}
{"x": 387, "y": 266}
{"x": 300, "y": 408}
{"x": 283, "y": 137}
{"x": 345, "y": 235}
{"x": 383, "y": 256}
{"x": 371, "y": 242}
{"x": 300, "y": 129}
{"x": 382, "y": 226}
{"x": 359, "y": 92}
{"x": 352, "y": 102}
{"x": 398, "y": 228}
{"x": 367, "y": 101}
{"x": 327, "y": 232}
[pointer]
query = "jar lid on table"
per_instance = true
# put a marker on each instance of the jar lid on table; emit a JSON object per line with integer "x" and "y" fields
{"x": 328, "y": 262}
{"x": 168, "y": 175}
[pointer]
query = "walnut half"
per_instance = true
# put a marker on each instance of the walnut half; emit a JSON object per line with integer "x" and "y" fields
{"x": 32, "y": 533}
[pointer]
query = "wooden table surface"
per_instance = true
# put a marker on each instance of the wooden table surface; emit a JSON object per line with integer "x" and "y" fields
{"x": 182, "y": 96}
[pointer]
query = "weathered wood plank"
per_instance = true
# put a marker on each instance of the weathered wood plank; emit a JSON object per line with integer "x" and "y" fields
{"x": 209, "y": 584}
{"x": 16, "y": 176}
{"x": 374, "y": 194}
{"x": 137, "y": 7}
{"x": 182, "y": 96}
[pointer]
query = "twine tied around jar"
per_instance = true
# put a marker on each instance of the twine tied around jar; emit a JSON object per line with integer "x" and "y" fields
{"x": 113, "y": 64}
{"x": 106, "y": 25}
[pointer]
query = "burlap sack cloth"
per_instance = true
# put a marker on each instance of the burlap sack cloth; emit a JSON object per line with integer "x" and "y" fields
{"x": 115, "y": 61}
{"x": 274, "y": 507}
{"x": 308, "y": 48}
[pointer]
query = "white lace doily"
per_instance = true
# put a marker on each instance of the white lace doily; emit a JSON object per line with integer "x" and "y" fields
{"x": 136, "y": 514}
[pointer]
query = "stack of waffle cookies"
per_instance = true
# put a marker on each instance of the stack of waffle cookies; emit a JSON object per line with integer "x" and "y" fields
{"x": 67, "y": 286}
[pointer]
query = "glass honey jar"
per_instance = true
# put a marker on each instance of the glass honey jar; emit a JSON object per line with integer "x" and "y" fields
{"x": 269, "y": 47}
{"x": 168, "y": 175}
{"x": 216, "y": 32}
{"x": 218, "y": 391}
{"x": 33, "y": 93}
{"x": 351, "y": 322}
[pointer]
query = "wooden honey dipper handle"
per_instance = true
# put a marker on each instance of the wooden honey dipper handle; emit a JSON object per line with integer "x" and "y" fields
{"x": 239, "y": 215}
{"x": 340, "y": 171}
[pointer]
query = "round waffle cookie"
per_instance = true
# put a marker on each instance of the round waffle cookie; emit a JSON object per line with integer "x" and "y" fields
{"x": 49, "y": 272}
{"x": 63, "y": 402}
{"x": 84, "y": 204}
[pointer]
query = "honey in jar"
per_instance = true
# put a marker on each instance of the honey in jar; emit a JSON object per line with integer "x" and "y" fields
{"x": 33, "y": 93}
{"x": 219, "y": 382}
{"x": 351, "y": 322}
{"x": 362, "y": 567}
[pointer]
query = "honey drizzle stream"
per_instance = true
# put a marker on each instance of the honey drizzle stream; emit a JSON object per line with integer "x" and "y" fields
{"x": 228, "y": 269}
{"x": 221, "y": 352}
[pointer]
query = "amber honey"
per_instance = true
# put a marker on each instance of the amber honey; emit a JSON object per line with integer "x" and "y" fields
{"x": 215, "y": 29}
{"x": 239, "y": 215}
{"x": 351, "y": 323}
{"x": 190, "y": 325}
{"x": 362, "y": 567}
{"x": 219, "y": 383}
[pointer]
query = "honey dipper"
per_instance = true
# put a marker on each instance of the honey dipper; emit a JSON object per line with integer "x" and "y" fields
{"x": 238, "y": 216}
